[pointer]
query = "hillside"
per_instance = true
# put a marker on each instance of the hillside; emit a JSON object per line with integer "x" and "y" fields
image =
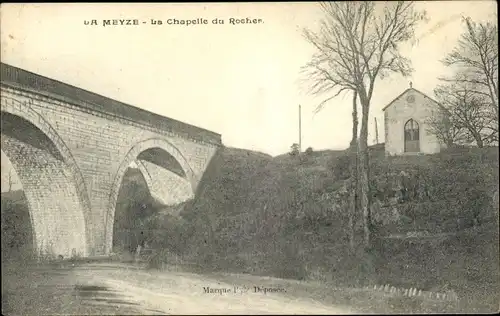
{"x": 285, "y": 217}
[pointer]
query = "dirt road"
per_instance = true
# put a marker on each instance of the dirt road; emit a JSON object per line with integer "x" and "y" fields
{"x": 125, "y": 289}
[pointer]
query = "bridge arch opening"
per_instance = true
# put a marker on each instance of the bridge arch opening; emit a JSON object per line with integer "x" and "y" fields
{"x": 153, "y": 174}
{"x": 134, "y": 205}
{"x": 17, "y": 232}
{"x": 54, "y": 193}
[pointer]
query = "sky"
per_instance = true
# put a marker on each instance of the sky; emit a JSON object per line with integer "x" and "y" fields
{"x": 241, "y": 81}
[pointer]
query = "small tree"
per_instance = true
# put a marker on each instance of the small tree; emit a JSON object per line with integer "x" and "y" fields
{"x": 10, "y": 180}
{"x": 294, "y": 150}
{"x": 475, "y": 60}
{"x": 462, "y": 116}
{"x": 441, "y": 124}
{"x": 309, "y": 151}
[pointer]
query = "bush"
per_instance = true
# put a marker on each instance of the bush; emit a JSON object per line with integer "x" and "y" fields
{"x": 294, "y": 150}
{"x": 340, "y": 166}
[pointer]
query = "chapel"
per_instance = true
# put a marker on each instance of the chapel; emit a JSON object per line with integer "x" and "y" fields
{"x": 405, "y": 123}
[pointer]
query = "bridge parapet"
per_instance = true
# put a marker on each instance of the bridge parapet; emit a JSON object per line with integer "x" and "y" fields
{"x": 20, "y": 79}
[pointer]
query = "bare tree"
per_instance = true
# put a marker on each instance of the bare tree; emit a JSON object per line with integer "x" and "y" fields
{"x": 357, "y": 43}
{"x": 475, "y": 59}
{"x": 466, "y": 113}
{"x": 11, "y": 180}
{"x": 441, "y": 124}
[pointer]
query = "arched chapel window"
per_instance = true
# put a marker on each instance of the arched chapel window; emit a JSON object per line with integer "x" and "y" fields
{"x": 412, "y": 136}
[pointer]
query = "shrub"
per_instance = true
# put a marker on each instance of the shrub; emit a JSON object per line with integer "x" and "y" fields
{"x": 340, "y": 166}
{"x": 294, "y": 150}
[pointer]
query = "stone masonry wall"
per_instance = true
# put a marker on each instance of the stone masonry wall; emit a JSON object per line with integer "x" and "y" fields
{"x": 55, "y": 209}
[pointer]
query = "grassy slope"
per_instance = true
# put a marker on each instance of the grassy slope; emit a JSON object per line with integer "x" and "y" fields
{"x": 248, "y": 203}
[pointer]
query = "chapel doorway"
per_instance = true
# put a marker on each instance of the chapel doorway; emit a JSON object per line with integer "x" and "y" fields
{"x": 412, "y": 136}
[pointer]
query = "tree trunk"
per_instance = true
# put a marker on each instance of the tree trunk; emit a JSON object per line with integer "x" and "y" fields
{"x": 10, "y": 180}
{"x": 478, "y": 139}
{"x": 364, "y": 179}
{"x": 138, "y": 253}
{"x": 480, "y": 143}
{"x": 354, "y": 119}
{"x": 354, "y": 193}
{"x": 449, "y": 143}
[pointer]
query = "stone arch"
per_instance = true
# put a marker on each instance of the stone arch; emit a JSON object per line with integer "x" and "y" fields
{"x": 130, "y": 157}
{"x": 145, "y": 173}
{"x": 25, "y": 112}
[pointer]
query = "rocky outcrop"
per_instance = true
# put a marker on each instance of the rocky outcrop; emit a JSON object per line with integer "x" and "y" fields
{"x": 423, "y": 200}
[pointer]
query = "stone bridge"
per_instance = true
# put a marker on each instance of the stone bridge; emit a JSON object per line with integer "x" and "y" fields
{"x": 71, "y": 148}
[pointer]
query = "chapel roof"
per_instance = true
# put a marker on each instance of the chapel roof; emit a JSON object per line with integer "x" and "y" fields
{"x": 408, "y": 90}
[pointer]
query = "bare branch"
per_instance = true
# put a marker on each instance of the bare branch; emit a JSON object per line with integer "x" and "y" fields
{"x": 322, "y": 104}
{"x": 464, "y": 115}
{"x": 357, "y": 42}
{"x": 475, "y": 60}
